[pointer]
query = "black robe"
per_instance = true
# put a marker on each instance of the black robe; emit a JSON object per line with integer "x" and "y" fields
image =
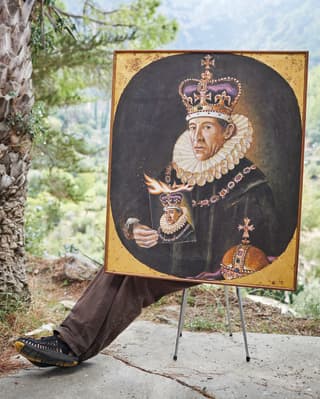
{"x": 216, "y": 225}
{"x": 185, "y": 234}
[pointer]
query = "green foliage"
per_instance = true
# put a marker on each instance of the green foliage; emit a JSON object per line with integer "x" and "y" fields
{"x": 313, "y": 109}
{"x": 72, "y": 52}
{"x": 60, "y": 184}
{"x": 279, "y": 295}
{"x": 307, "y": 303}
{"x": 64, "y": 186}
{"x": 31, "y": 123}
{"x": 151, "y": 30}
{"x": 10, "y": 303}
{"x": 72, "y": 55}
{"x": 161, "y": 302}
{"x": 311, "y": 192}
{"x": 43, "y": 213}
{"x": 69, "y": 167}
{"x": 309, "y": 246}
{"x": 83, "y": 224}
{"x": 191, "y": 300}
{"x": 200, "y": 323}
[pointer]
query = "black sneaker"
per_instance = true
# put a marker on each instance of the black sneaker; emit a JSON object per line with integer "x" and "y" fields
{"x": 46, "y": 351}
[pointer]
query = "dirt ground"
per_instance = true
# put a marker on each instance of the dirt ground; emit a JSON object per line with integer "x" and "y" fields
{"x": 205, "y": 311}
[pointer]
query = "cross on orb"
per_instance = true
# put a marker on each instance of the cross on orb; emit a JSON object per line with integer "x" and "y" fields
{"x": 246, "y": 227}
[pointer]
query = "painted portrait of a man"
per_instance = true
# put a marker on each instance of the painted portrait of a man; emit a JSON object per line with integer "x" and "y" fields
{"x": 226, "y": 129}
{"x": 174, "y": 225}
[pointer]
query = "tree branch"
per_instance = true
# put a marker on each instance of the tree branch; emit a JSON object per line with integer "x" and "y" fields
{"x": 91, "y": 5}
{"x": 27, "y": 9}
{"x": 85, "y": 17}
{"x": 42, "y": 24}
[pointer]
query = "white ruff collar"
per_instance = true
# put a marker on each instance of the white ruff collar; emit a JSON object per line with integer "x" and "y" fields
{"x": 192, "y": 171}
{"x": 173, "y": 228}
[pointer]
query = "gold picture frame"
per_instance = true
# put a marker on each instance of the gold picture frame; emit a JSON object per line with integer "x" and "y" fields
{"x": 245, "y": 182}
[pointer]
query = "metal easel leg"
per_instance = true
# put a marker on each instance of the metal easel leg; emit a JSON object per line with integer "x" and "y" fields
{"x": 228, "y": 319}
{"x": 181, "y": 322}
{"x": 244, "y": 332}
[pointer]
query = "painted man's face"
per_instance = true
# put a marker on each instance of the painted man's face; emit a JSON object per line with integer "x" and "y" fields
{"x": 172, "y": 215}
{"x": 207, "y": 136}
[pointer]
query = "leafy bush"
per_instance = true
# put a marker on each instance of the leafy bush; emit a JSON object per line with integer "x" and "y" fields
{"x": 309, "y": 246}
{"x": 83, "y": 224}
{"x": 279, "y": 295}
{"x": 43, "y": 213}
{"x": 307, "y": 302}
{"x": 311, "y": 204}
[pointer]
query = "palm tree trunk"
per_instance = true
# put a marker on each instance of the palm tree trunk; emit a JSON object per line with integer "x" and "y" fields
{"x": 16, "y": 102}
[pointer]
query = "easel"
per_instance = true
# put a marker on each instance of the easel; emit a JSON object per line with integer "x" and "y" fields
{"x": 226, "y": 293}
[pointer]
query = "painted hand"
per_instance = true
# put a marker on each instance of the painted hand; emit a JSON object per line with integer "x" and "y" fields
{"x": 144, "y": 236}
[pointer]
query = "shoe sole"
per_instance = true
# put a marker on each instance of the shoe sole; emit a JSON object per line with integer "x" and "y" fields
{"x": 42, "y": 360}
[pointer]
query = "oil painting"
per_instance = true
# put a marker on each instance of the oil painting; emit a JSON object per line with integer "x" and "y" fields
{"x": 206, "y": 166}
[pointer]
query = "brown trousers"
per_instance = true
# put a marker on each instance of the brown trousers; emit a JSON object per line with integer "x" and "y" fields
{"x": 107, "y": 307}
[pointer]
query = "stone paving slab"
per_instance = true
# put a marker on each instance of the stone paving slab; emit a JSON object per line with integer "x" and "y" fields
{"x": 139, "y": 365}
{"x": 281, "y": 366}
{"x": 101, "y": 377}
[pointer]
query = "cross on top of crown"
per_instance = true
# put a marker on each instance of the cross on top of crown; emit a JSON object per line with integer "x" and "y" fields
{"x": 207, "y": 61}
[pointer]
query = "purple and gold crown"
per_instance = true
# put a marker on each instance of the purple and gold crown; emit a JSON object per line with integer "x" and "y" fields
{"x": 208, "y": 96}
{"x": 171, "y": 200}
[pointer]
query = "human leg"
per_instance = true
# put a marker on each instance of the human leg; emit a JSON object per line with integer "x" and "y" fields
{"x": 106, "y": 308}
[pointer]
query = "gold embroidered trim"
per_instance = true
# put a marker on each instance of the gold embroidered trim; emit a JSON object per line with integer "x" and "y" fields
{"x": 226, "y": 190}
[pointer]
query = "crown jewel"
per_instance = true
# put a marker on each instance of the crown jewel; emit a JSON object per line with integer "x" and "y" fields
{"x": 171, "y": 200}
{"x": 210, "y": 97}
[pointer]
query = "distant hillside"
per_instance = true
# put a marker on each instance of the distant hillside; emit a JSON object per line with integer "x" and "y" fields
{"x": 239, "y": 24}
{"x": 247, "y": 25}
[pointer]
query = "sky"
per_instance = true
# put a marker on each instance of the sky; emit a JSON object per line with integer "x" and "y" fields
{"x": 238, "y": 24}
